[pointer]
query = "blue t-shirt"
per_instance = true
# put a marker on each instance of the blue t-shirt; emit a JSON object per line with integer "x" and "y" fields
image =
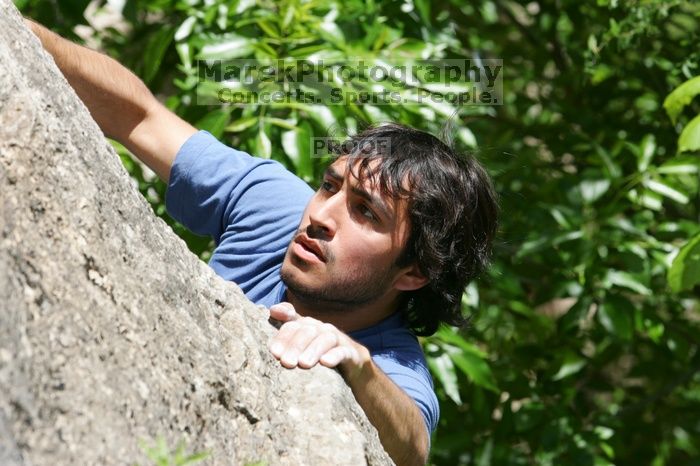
{"x": 252, "y": 207}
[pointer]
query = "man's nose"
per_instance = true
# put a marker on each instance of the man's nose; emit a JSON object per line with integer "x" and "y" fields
{"x": 323, "y": 220}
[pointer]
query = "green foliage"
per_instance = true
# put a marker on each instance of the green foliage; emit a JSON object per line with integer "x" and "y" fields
{"x": 685, "y": 270}
{"x": 681, "y": 97}
{"x": 674, "y": 104}
{"x": 161, "y": 455}
{"x": 684, "y": 273}
{"x": 584, "y": 340}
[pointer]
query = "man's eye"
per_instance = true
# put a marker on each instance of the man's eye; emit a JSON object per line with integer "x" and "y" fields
{"x": 367, "y": 212}
{"x": 327, "y": 186}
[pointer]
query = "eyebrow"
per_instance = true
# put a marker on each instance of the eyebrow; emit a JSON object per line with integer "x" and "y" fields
{"x": 375, "y": 201}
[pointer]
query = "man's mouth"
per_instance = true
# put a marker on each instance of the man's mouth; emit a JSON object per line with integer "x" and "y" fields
{"x": 306, "y": 247}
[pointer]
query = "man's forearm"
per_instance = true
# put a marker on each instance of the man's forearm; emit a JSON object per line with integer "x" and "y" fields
{"x": 393, "y": 413}
{"x": 121, "y": 104}
{"x": 117, "y": 99}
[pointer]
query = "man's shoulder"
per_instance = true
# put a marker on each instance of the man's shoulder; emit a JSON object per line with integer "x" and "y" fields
{"x": 202, "y": 146}
{"x": 213, "y": 186}
{"x": 250, "y": 206}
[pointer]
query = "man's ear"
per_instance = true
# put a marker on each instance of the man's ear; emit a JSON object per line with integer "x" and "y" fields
{"x": 410, "y": 278}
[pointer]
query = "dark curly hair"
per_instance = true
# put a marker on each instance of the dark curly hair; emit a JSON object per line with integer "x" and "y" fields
{"x": 452, "y": 209}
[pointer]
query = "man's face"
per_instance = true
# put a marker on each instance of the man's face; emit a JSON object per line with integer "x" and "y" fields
{"x": 344, "y": 253}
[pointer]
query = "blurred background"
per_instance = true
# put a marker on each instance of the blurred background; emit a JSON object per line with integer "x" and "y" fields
{"x": 583, "y": 344}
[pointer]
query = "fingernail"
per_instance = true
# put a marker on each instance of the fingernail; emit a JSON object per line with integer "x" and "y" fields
{"x": 276, "y": 348}
{"x": 305, "y": 359}
{"x": 290, "y": 360}
{"x": 329, "y": 360}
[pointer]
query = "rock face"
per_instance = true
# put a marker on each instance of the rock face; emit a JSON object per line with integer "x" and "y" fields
{"x": 111, "y": 332}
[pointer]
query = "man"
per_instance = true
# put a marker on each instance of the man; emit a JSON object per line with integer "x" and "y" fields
{"x": 381, "y": 252}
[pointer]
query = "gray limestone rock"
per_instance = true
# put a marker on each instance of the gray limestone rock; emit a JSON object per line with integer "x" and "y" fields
{"x": 111, "y": 332}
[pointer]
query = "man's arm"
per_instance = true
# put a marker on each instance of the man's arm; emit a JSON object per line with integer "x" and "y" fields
{"x": 304, "y": 342}
{"x": 120, "y": 102}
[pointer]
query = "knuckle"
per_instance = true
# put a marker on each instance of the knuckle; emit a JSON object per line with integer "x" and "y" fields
{"x": 326, "y": 327}
{"x": 310, "y": 321}
{"x": 334, "y": 339}
{"x": 310, "y": 331}
{"x": 290, "y": 326}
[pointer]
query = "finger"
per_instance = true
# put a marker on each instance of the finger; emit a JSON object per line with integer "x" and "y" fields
{"x": 337, "y": 355}
{"x": 284, "y": 312}
{"x": 298, "y": 344}
{"x": 279, "y": 342}
{"x": 323, "y": 343}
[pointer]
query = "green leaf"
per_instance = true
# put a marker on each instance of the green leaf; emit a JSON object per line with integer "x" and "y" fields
{"x": 297, "y": 145}
{"x": 647, "y": 148}
{"x": 476, "y": 368}
{"x": 684, "y": 273}
{"x": 601, "y": 73}
{"x": 466, "y": 356}
{"x": 603, "y": 432}
{"x": 449, "y": 335}
{"x": 215, "y": 122}
{"x": 560, "y": 218}
{"x": 155, "y": 50}
{"x": 470, "y": 297}
{"x": 467, "y": 137}
{"x": 289, "y": 144}
{"x": 484, "y": 456}
{"x": 664, "y": 189}
{"x": 613, "y": 169}
{"x": 320, "y": 114}
{"x": 444, "y": 370}
{"x": 329, "y": 30}
{"x": 286, "y": 124}
{"x": 244, "y": 5}
{"x": 184, "y": 51}
{"x": 222, "y": 19}
{"x": 680, "y": 166}
{"x": 571, "y": 365}
{"x": 185, "y": 29}
{"x": 303, "y": 52}
{"x": 648, "y": 199}
{"x": 689, "y": 139}
{"x": 423, "y": 7}
{"x": 625, "y": 280}
{"x": 680, "y": 97}
{"x": 242, "y": 124}
{"x": 225, "y": 47}
{"x": 195, "y": 458}
{"x": 615, "y": 315}
{"x": 263, "y": 50}
{"x": 592, "y": 190}
{"x": 263, "y": 144}
{"x": 268, "y": 28}
{"x": 530, "y": 247}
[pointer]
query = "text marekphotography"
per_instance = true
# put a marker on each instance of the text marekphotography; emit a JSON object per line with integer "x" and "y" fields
{"x": 359, "y": 81}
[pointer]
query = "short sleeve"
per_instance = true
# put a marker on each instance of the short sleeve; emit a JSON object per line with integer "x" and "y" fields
{"x": 251, "y": 207}
{"x": 211, "y": 185}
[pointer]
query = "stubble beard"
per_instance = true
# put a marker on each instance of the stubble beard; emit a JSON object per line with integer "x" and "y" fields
{"x": 342, "y": 291}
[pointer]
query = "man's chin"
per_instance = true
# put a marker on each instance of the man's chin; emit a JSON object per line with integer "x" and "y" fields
{"x": 322, "y": 299}
{"x": 309, "y": 294}
{"x": 292, "y": 276}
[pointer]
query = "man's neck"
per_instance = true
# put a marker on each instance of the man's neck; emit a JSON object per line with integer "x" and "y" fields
{"x": 348, "y": 320}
